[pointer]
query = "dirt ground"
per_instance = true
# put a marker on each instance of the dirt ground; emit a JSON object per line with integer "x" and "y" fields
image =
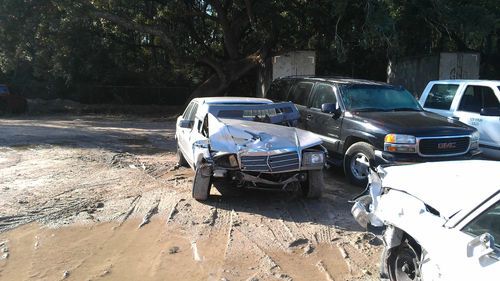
{"x": 100, "y": 198}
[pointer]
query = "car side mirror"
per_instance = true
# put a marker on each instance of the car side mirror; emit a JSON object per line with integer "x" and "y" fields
{"x": 481, "y": 246}
{"x": 490, "y": 111}
{"x": 185, "y": 123}
{"x": 331, "y": 108}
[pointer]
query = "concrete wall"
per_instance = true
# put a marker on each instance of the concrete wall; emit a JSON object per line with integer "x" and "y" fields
{"x": 289, "y": 64}
{"x": 294, "y": 63}
{"x": 459, "y": 66}
{"x": 414, "y": 73}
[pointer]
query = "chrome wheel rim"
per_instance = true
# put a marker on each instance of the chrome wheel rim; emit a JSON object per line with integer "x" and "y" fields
{"x": 359, "y": 166}
{"x": 406, "y": 264}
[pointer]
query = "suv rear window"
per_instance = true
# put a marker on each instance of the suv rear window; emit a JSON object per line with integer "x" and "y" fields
{"x": 279, "y": 90}
{"x": 300, "y": 93}
{"x": 441, "y": 96}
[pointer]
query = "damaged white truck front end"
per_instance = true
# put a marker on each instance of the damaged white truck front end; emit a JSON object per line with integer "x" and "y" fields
{"x": 440, "y": 220}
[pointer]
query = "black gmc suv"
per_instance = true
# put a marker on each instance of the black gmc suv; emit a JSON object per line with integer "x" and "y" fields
{"x": 373, "y": 122}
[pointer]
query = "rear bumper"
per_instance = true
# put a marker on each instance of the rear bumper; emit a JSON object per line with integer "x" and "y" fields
{"x": 384, "y": 157}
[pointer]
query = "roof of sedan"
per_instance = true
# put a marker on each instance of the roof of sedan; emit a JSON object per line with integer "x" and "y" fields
{"x": 229, "y": 100}
{"x": 448, "y": 187}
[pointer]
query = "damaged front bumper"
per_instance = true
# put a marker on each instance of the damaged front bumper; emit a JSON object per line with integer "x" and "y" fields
{"x": 286, "y": 181}
{"x": 366, "y": 203}
{"x": 275, "y": 169}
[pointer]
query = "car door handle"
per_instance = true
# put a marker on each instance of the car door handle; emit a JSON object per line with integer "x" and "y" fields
{"x": 455, "y": 117}
{"x": 309, "y": 117}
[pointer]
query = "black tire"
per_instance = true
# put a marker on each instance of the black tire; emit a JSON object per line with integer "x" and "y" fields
{"x": 314, "y": 185}
{"x": 402, "y": 263}
{"x": 353, "y": 170}
{"x": 384, "y": 259}
{"x": 180, "y": 158}
{"x": 202, "y": 182}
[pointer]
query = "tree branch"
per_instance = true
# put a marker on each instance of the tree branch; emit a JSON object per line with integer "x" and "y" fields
{"x": 132, "y": 25}
{"x": 215, "y": 66}
{"x": 230, "y": 41}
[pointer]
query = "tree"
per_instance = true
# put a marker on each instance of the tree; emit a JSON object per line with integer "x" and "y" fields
{"x": 58, "y": 45}
{"x": 231, "y": 37}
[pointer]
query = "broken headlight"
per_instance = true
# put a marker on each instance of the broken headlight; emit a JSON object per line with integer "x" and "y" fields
{"x": 227, "y": 161}
{"x": 313, "y": 159}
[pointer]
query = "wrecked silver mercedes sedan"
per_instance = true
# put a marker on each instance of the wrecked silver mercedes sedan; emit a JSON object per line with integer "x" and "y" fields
{"x": 248, "y": 142}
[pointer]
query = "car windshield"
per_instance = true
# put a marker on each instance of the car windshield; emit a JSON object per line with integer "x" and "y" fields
{"x": 3, "y": 90}
{"x": 378, "y": 98}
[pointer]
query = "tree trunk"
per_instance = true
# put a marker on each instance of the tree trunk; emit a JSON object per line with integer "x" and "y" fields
{"x": 231, "y": 71}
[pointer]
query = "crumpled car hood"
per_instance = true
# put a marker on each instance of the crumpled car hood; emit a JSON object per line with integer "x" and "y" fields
{"x": 238, "y": 136}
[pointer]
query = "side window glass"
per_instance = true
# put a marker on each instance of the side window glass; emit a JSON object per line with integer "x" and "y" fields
{"x": 300, "y": 93}
{"x": 198, "y": 127}
{"x": 477, "y": 97}
{"x": 279, "y": 90}
{"x": 192, "y": 114}
{"x": 323, "y": 93}
{"x": 490, "y": 100}
{"x": 488, "y": 221}
{"x": 441, "y": 96}
{"x": 187, "y": 111}
{"x": 204, "y": 127}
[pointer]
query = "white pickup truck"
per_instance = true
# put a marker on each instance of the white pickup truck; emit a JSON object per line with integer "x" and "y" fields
{"x": 473, "y": 102}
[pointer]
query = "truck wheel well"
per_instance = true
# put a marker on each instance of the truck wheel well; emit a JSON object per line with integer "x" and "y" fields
{"x": 352, "y": 140}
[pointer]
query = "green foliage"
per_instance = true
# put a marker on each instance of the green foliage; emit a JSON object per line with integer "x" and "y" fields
{"x": 52, "y": 47}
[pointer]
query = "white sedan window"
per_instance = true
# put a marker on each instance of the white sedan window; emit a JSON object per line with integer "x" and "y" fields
{"x": 441, "y": 96}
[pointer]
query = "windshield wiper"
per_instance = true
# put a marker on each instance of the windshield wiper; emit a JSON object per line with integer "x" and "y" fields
{"x": 368, "y": 109}
{"x": 406, "y": 109}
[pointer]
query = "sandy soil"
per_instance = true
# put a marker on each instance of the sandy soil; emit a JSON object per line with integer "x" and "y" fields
{"x": 100, "y": 198}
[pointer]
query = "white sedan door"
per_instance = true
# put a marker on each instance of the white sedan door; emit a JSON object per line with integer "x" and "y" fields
{"x": 184, "y": 133}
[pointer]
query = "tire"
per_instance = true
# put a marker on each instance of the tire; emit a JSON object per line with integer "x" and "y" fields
{"x": 314, "y": 185}
{"x": 356, "y": 173}
{"x": 180, "y": 158}
{"x": 403, "y": 262}
{"x": 202, "y": 182}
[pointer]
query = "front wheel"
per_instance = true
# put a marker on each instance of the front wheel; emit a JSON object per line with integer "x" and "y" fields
{"x": 202, "y": 182}
{"x": 314, "y": 185}
{"x": 357, "y": 161}
{"x": 403, "y": 262}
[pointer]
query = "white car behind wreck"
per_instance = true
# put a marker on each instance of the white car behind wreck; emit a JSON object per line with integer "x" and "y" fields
{"x": 248, "y": 142}
{"x": 441, "y": 220}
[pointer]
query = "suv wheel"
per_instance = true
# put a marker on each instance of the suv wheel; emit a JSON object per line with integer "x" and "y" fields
{"x": 180, "y": 158}
{"x": 356, "y": 162}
